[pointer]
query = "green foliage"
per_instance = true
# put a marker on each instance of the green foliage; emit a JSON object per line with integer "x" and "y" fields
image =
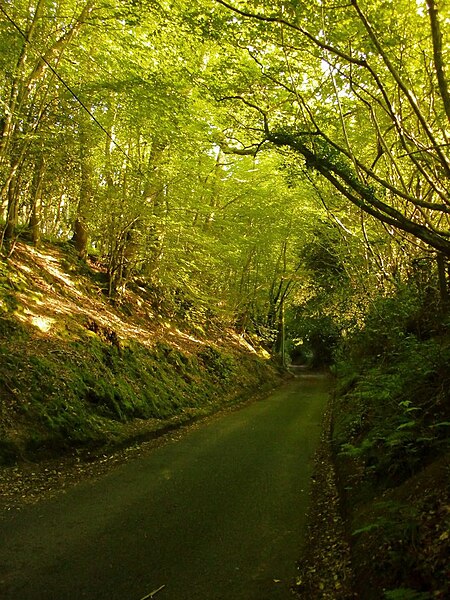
{"x": 393, "y": 387}
{"x": 10, "y": 283}
{"x": 319, "y": 336}
{"x": 397, "y": 520}
{"x": 392, "y": 323}
{"x": 392, "y": 403}
{"x": 335, "y": 288}
{"x": 322, "y": 256}
{"x": 394, "y": 413}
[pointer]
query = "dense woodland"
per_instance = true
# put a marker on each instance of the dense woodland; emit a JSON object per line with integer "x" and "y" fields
{"x": 248, "y": 158}
{"x": 245, "y": 155}
{"x": 279, "y": 168}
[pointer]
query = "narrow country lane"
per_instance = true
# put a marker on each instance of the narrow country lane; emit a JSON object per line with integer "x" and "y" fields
{"x": 219, "y": 514}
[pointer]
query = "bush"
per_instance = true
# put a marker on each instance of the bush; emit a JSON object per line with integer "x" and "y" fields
{"x": 394, "y": 388}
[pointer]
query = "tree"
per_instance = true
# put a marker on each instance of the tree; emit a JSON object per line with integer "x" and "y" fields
{"x": 39, "y": 48}
{"x": 143, "y": 143}
{"x": 360, "y": 94}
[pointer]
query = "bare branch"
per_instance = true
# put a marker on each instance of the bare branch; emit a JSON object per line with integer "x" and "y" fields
{"x": 305, "y": 32}
{"x": 361, "y": 195}
{"x": 244, "y": 151}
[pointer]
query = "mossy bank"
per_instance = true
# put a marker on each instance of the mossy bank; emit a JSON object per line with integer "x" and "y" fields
{"x": 76, "y": 371}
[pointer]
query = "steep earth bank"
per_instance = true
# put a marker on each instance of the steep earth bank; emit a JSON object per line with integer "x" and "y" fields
{"x": 371, "y": 540}
{"x": 80, "y": 372}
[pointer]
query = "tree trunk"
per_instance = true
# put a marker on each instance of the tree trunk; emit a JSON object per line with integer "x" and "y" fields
{"x": 280, "y": 342}
{"x": 36, "y": 198}
{"x": 12, "y": 215}
{"x": 12, "y": 142}
{"x": 81, "y": 232}
{"x": 13, "y": 212}
{"x": 439, "y": 61}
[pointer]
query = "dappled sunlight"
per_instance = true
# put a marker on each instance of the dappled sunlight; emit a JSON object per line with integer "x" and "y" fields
{"x": 44, "y": 324}
{"x": 165, "y": 252}
{"x": 243, "y": 342}
{"x": 47, "y": 306}
{"x": 185, "y": 336}
{"x": 50, "y": 303}
{"x": 50, "y": 263}
{"x": 57, "y": 273}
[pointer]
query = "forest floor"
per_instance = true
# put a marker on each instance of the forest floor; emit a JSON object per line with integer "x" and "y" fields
{"x": 325, "y": 567}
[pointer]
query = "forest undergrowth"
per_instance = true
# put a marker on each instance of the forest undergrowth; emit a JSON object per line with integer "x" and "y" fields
{"x": 391, "y": 446}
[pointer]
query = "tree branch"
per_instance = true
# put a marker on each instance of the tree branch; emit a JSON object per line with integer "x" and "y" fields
{"x": 401, "y": 84}
{"x": 359, "y": 194}
{"x": 251, "y": 105}
{"x": 437, "y": 53}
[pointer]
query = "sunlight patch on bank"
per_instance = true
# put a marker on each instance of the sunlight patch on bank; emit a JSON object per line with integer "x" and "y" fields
{"x": 44, "y": 324}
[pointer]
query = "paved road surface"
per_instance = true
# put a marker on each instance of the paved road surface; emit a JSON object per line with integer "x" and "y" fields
{"x": 216, "y": 515}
